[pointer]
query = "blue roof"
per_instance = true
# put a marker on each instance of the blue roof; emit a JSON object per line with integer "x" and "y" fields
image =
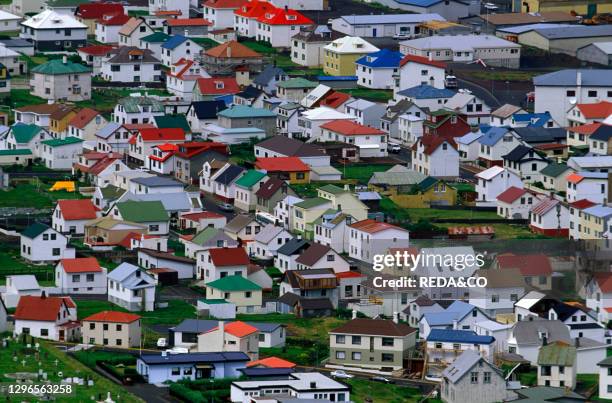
{"x": 254, "y": 372}
{"x": 187, "y": 358}
{"x": 492, "y": 136}
{"x": 455, "y": 311}
{"x": 420, "y": 3}
{"x": 458, "y": 336}
{"x": 384, "y": 58}
{"x": 599, "y": 211}
{"x": 425, "y": 91}
{"x": 174, "y": 41}
{"x": 337, "y": 78}
{"x": 469, "y": 138}
{"x": 539, "y": 119}
{"x": 568, "y": 77}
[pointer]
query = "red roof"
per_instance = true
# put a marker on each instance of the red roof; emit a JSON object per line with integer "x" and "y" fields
{"x": 271, "y": 362}
{"x": 138, "y": 126}
{"x": 101, "y": 165}
{"x": 224, "y": 3}
{"x": 81, "y": 209}
{"x": 350, "y": 128}
{"x": 112, "y": 316}
{"x": 188, "y": 22}
{"x": 114, "y": 19}
{"x": 157, "y": 134}
{"x": 281, "y": 16}
{"x": 93, "y": 11}
{"x": 587, "y": 129}
{"x": 422, "y": 60}
{"x": 254, "y": 9}
{"x": 373, "y": 226}
{"x": 431, "y": 142}
{"x": 603, "y": 279}
{"x": 239, "y": 329}
{"x": 39, "y": 308}
{"x": 232, "y": 49}
{"x": 168, "y": 12}
{"x": 127, "y": 241}
{"x": 334, "y": 99}
{"x": 201, "y": 215}
{"x": 281, "y": 164}
{"x": 529, "y": 265}
{"x": 229, "y": 256}
{"x": 574, "y": 178}
{"x": 218, "y": 85}
{"x": 96, "y": 50}
{"x": 550, "y": 146}
{"x": 511, "y": 194}
{"x": 194, "y": 148}
{"x": 349, "y": 274}
{"x": 186, "y": 63}
{"x": 582, "y": 204}
{"x": 600, "y": 110}
{"x": 83, "y": 117}
{"x": 81, "y": 265}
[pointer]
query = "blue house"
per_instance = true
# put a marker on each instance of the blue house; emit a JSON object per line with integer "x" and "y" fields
{"x": 177, "y": 47}
{"x": 426, "y": 96}
{"x": 159, "y": 368}
{"x": 445, "y": 345}
{"x": 459, "y": 315}
{"x": 376, "y": 70}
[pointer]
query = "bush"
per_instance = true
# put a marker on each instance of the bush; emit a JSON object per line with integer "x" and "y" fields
{"x": 184, "y": 393}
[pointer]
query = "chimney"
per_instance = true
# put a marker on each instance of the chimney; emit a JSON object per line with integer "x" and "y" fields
{"x": 354, "y": 314}
{"x": 286, "y": 8}
{"x": 65, "y": 59}
{"x": 395, "y": 317}
{"x": 544, "y": 340}
{"x": 43, "y": 294}
{"x": 455, "y": 324}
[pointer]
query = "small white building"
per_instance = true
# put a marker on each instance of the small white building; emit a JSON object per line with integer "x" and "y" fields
{"x": 515, "y": 203}
{"x": 587, "y": 185}
{"x": 60, "y": 79}
{"x": 41, "y": 243}
{"x": 70, "y": 216}
{"x": 51, "y": 31}
{"x": 129, "y": 64}
{"x": 435, "y": 156}
{"x": 50, "y": 318}
{"x": 153, "y": 259}
{"x": 80, "y": 276}
{"x": 557, "y": 365}
{"x": 61, "y": 154}
{"x": 268, "y": 241}
{"x": 605, "y": 378}
{"x": 131, "y": 288}
{"x": 492, "y": 182}
{"x": 369, "y": 237}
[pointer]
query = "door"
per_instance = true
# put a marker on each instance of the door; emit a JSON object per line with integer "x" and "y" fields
{"x": 374, "y": 32}
{"x": 61, "y": 335}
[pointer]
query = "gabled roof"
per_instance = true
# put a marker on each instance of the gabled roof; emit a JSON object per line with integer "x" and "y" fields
{"x": 375, "y": 327}
{"x": 207, "y": 109}
{"x": 384, "y": 58}
{"x": 238, "y": 223}
{"x": 232, "y": 49}
{"x": 81, "y": 265}
{"x": 174, "y": 41}
{"x": 431, "y": 143}
{"x": 519, "y": 152}
{"x": 58, "y": 67}
{"x": 292, "y": 247}
{"x": 290, "y": 147}
{"x": 505, "y": 111}
{"x": 281, "y": 164}
{"x": 280, "y": 16}
{"x": 229, "y": 174}
{"x": 188, "y": 22}
{"x": 269, "y": 188}
{"x": 234, "y": 283}
{"x": 92, "y": 11}
{"x": 271, "y": 362}
{"x": 125, "y": 54}
{"x": 222, "y": 257}
{"x": 458, "y": 336}
{"x": 557, "y": 353}
{"x": 95, "y": 50}
{"x": 239, "y": 329}
{"x": 554, "y": 169}
{"x": 162, "y": 135}
{"x": 50, "y": 19}
{"x": 313, "y": 254}
{"x": 568, "y": 77}
{"x": 351, "y": 128}
{"x": 244, "y": 111}
{"x": 217, "y": 85}
{"x": 351, "y": 45}
{"x": 602, "y": 133}
{"x": 142, "y": 211}
{"x": 43, "y": 308}
{"x": 373, "y": 226}
{"x": 235, "y": 4}
{"x": 35, "y": 230}
{"x": 493, "y": 136}
{"x": 463, "y": 364}
{"x": 112, "y": 317}
{"x": 250, "y": 179}
{"x": 78, "y": 209}
{"x": 529, "y": 265}
{"x": 113, "y": 19}
{"x": 604, "y": 281}
{"x": 544, "y": 206}
{"x": 156, "y": 37}
{"x": 422, "y": 60}
{"x": 490, "y": 173}
{"x": 511, "y": 194}
{"x": 131, "y": 25}
{"x": 24, "y": 133}
{"x": 83, "y": 117}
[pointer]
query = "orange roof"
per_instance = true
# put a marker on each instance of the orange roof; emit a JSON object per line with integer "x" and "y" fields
{"x": 587, "y": 129}
{"x": 334, "y": 99}
{"x": 188, "y": 22}
{"x": 238, "y": 329}
{"x": 201, "y": 215}
{"x": 349, "y": 274}
{"x": 218, "y": 85}
{"x": 350, "y": 128}
{"x": 232, "y": 49}
{"x": 373, "y": 226}
{"x": 83, "y": 117}
{"x": 112, "y": 316}
{"x": 271, "y": 362}
{"x": 168, "y": 12}
{"x": 41, "y": 308}
{"x": 224, "y": 3}
{"x": 81, "y": 265}
{"x": 281, "y": 164}
{"x": 606, "y": 309}
{"x": 422, "y": 60}
{"x": 604, "y": 281}
{"x": 600, "y": 110}
{"x": 574, "y": 178}
{"x": 281, "y": 16}
{"x": 81, "y": 209}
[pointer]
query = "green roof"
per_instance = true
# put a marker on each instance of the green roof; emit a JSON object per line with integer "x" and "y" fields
{"x": 23, "y": 151}
{"x": 143, "y": 211}
{"x": 172, "y": 121}
{"x": 57, "y": 66}
{"x": 233, "y": 283}
{"x": 156, "y": 37}
{"x": 35, "y": 230}
{"x": 310, "y": 203}
{"x": 554, "y": 169}
{"x": 427, "y": 183}
{"x": 333, "y": 189}
{"x": 298, "y": 82}
{"x": 250, "y": 179}
{"x": 243, "y": 111}
{"x": 213, "y": 301}
{"x": 111, "y": 192}
{"x": 65, "y": 3}
{"x": 130, "y": 104}
{"x": 25, "y": 133}
{"x": 60, "y": 142}
{"x": 201, "y": 237}
{"x": 557, "y": 354}
{"x": 463, "y": 187}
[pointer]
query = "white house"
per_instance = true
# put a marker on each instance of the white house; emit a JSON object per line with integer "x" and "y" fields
{"x": 179, "y": 47}
{"x": 80, "y": 276}
{"x": 372, "y": 142}
{"x": 50, "y": 318}
{"x": 587, "y": 185}
{"x": 221, "y": 12}
{"x": 557, "y": 365}
{"x": 504, "y": 288}
{"x": 516, "y": 203}
{"x": 529, "y": 334}
{"x": 108, "y": 27}
{"x": 61, "y": 154}
{"x": 310, "y": 121}
{"x": 268, "y": 241}
{"x": 468, "y": 104}
{"x": 605, "y": 378}
{"x": 319, "y": 256}
{"x": 51, "y": 31}
{"x": 70, "y": 216}
{"x": 580, "y": 322}
{"x": 217, "y": 263}
{"x": 133, "y": 31}
{"x": 436, "y": 156}
{"x": 468, "y": 146}
{"x": 369, "y": 237}
{"x": 85, "y": 124}
{"x": 129, "y": 64}
{"x": 153, "y": 259}
{"x": 492, "y": 182}
{"x": 131, "y": 288}
{"x": 279, "y": 25}
{"x": 9, "y": 22}
{"x": 495, "y": 143}
{"x": 550, "y": 217}
{"x": 18, "y": 286}
{"x": 376, "y": 70}
{"x": 181, "y": 78}
{"x": 417, "y": 70}
{"x": 598, "y": 292}
{"x": 41, "y": 243}
{"x": 525, "y": 162}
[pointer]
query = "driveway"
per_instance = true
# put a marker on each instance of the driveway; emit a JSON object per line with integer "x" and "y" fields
{"x": 210, "y": 204}
{"x": 179, "y": 291}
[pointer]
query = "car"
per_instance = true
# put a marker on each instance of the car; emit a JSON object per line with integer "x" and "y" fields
{"x": 341, "y": 374}
{"x": 162, "y": 342}
{"x": 381, "y": 379}
{"x": 177, "y": 350}
{"x": 433, "y": 378}
{"x": 401, "y": 35}
{"x": 394, "y": 148}
{"x": 226, "y": 207}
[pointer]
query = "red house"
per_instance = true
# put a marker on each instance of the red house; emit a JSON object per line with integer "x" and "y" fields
{"x": 447, "y": 124}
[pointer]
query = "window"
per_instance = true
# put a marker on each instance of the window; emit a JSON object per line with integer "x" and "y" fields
{"x": 119, "y": 328}
{"x": 340, "y": 339}
{"x": 356, "y": 356}
{"x": 487, "y": 377}
{"x": 387, "y": 341}
{"x": 386, "y": 357}
{"x": 340, "y": 355}
{"x": 592, "y": 94}
{"x": 92, "y": 326}
{"x": 153, "y": 227}
{"x": 355, "y": 339}
{"x": 56, "y": 251}
{"x": 176, "y": 371}
{"x": 44, "y": 332}
{"x": 118, "y": 342}
{"x": 474, "y": 377}
{"x": 570, "y": 93}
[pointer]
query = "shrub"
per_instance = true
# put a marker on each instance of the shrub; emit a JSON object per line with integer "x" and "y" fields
{"x": 184, "y": 393}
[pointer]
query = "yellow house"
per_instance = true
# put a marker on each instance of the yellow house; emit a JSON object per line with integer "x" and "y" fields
{"x": 340, "y": 55}
{"x": 430, "y": 192}
{"x": 305, "y": 213}
{"x": 594, "y": 222}
{"x": 58, "y": 120}
{"x": 243, "y": 293}
{"x": 344, "y": 201}
{"x": 290, "y": 169}
{"x": 582, "y": 7}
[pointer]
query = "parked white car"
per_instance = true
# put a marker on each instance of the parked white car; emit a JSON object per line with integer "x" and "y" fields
{"x": 341, "y": 374}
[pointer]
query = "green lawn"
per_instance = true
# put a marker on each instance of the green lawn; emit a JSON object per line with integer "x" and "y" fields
{"x": 307, "y": 190}
{"x": 587, "y": 381}
{"x": 380, "y": 392}
{"x": 260, "y": 47}
{"x": 12, "y": 263}
{"x": 514, "y": 75}
{"x": 35, "y": 196}
{"x": 13, "y": 356}
{"x": 432, "y": 213}
{"x": 391, "y": 209}
{"x": 177, "y": 311}
{"x": 370, "y": 94}
{"x": 361, "y": 172}
{"x": 306, "y": 72}
{"x": 19, "y": 98}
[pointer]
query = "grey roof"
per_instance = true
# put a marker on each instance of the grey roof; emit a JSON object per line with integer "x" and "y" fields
{"x": 265, "y": 327}
{"x": 290, "y": 147}
{"x": 178, "y": 201}
{"x": 24, "y": 282}
{"x": 195, "y": 326}
{"x": 122, "y": 55}
{"x": 229, "y": 174}
{"x": 567, "y": 78}
{"x": 576, "y": 31}
{"x": 268, "y": 233}
{"x": 156, "y": 181}
{"x": 187, "y": 358}
{"x": 268, "y": 74}
{"x": 238, "y": 223}
{"x": 292, "y": 247}
{"x": 461, "y": 366}
{"x": 108, "y": 130}
{"x": 397, "y": 175}
{"x": 391, "y": 18}
{"x": 527, "y": 331}
{"x": 122, "y": 275}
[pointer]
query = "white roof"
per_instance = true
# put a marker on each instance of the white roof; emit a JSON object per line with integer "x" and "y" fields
{"x": 314, "y": 95}
{"x": 50, "y": 19}
{"x": 605, "y": 47}
{"x": 529, "y": 299}
{"x": 493, "y": 325}
{"x": 24, "y": 282}
{"x": 391, "y": 18}
{"x": 459, "y": 42}
{"x": 351, "y": 44}
{"x": 325, "y": 113}
{"x": 4, "y": 16}
{"x": 298, "y": 381}
{"x": 459, "y": 100}
{"x": 490, "y": 173}
{"x": 6, "y": 52}
{"x": 602, "y": 161}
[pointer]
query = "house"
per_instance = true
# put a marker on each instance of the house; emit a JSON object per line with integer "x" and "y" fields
{"x": 396, "y": 180}
{"x": 597, "y": 52}
{"x": 278, "y": 25}
{"x": 279, "y": 146}
{"x": 131, "y": 288}
{"x": 18, "y": 286}
{"x": 242, "y": 116}
{"x": 558, "y": 39}
{"x": 587, "y": 185}
{"x": 190, "y": 156}
{"x": 550, "y": 217}
{"x": 299, "y": 385}
{"x": 452, "y": 10}
{"x": 554, "y": 176}
{"x": 135, "y": 29}
{"x": 457, "y": 387}
{"x": 535, "y": 269}
{"x": 154, "y": 42}
{"x": 60, "y": 79}
{"x": 151, "y": 214}
{"x": 220, "y": 262}
{"x": 112, "y": 328}
{"x": 458, "y": 315}
{"x": 85, "y": 124}
{"x": 415, "y": 71}
{"x": 153, "y": 259}
{"x": 206, "y": 238}
{"x": 305, "y": 213}
{"x": 468, "y": 146}
{"x": 50, "y": 318}
{"x": 504, "y": 288}
{"x": 307, "y": 46}
{"x": 372, "y": 142}
{"x": 310, "y": 120}
{"x": 489, "y": 49}
{"x": 436, "y": 156}
{"x": 312, "y": 284}
{"x": 492, "y": 182}
{"x": 515, "y": 203}
{"x": 231, "y": 337}
{"x": 557, "y": 365}
{"x": 221, "y": 12}
{"x": 294, "y": 89}
{"x": 495, "y": 143}
{"x": 88, "y": 14}
{"x": 605, "y": 383}
{"x": 10, "y": 59}
{"x": 376, "y": 70}
{"x": 26, "y": 137}
{"x": 365, "y": 112}
{"x": 401, "y": 121}
{"x": 201, "y": 113}
{"x": 342, "y": 53}
{"x": 154, "y": 185}
{"x": 599, "y": 141}
{"x": 70, "y": 216}
{"x": 182, "y": 77}
{"x": 350, "y": 345}
{"x": 179, "y": 47}
{"x": 343, "y": 200}
{"x": 369, "y": 237}
{"x": 598, "y": 292}
{"x": 137, "y": 110}
{"x": 41, "y": 243}
{"x": 443, "y": 345}
{"x": 98, "y": 168}
{"x": 597, "y": 163}
{"x": 129, "y": 64}
{"x": 141, "y": 144}
{"x": 468, "y": 104}
{"x": 10, "y": 22}
{"x": 247, "y": 15}
{"x": 225, "y": 58}
{"x": 580, "y": 321}
{"x": 245, "y": 294}
{"x": 290, "y": 169}
{"x": 526, "y": 162}
{"x": 193, "y": 27}
{"x": 107, "y": 27}
{"x": 156, "y": 368}
{"x": 425, "y": 96}
{"x": 51, "y": 31}
{"x": 383, "y": 25}
{"x": 282, "y": 210}
{"x": 270, "y": 193}
{"x": 319, "y": 256}
{"x": 503, "y": 115}
{"x": 266, "y": 244}
{"x": 104, "y": 233}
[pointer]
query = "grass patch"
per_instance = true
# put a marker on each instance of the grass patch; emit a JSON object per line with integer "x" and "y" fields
{"x": 306, "y": 72}
{"x": 514, "y": 75}
{"x": 242, "y": 153}
{"x": 529, "y": 378}
{"x": 34, "y": 196}
{"x": 11, "y": 263}
{"x": 21, "y": 97}
{"x": 388, "y": 207}
{"x": 379, "y": 392}
{"x": 175, "y": 313}
{"x": 260, "y": 47}
{"x": 370, "y": 94}
{"x": 308, "y": 190}
{"x": 587, "y": 381}
{"x": 432, "y": 213}
{"x": 361, "y": 172}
